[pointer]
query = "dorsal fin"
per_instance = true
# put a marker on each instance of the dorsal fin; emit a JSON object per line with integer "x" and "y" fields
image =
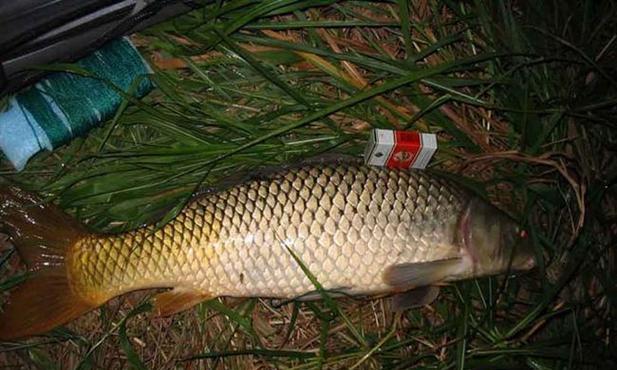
{"x": 268, "y": 172}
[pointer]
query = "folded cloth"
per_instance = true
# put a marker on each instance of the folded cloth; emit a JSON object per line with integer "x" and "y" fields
{"x": 68, "y": 104}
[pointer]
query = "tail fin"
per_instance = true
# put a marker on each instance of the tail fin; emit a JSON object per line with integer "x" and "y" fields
{"x": 42, "y": 234}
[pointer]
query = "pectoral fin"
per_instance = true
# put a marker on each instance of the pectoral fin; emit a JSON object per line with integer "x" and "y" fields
{"x": 414, "y": 298}
{"x": 177, "y": 300}
{"x": 407, "y": 276}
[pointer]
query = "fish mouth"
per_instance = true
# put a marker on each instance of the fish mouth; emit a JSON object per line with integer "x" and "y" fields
{"x": 530, "y": 263}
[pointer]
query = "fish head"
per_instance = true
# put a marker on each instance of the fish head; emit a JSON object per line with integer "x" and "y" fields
{"x": 494, "y": 242}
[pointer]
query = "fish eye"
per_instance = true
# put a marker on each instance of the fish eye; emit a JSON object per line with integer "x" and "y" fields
{"x": 521, "y": 233}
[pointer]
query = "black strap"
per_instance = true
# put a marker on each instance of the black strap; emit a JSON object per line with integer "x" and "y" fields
{"x": 147, "y": 12}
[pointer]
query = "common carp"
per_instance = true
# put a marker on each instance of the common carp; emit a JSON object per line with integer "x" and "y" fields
{"x": 359, "y": 230}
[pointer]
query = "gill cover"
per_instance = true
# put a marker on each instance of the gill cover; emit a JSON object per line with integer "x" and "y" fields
{"x": 493, "y": 240}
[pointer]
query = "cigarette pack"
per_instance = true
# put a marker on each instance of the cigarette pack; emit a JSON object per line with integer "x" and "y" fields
{"x": 400, "y": 149}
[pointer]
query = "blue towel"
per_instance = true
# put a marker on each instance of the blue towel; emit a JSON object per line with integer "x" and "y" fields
{"x": 64, "y": 105}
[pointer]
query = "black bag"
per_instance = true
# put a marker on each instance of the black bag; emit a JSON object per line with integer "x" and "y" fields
{"x": 38, "y": 32}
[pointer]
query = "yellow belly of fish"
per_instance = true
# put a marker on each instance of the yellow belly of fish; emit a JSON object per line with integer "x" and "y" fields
{"x": 346, "y": 228}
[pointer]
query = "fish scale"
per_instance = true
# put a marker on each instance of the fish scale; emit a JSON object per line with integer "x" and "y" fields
{"x": 346, "y": 223}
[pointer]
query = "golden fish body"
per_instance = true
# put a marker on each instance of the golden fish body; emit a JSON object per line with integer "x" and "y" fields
{"x": 345, "y": 223}
{"x": 358, "y": 230}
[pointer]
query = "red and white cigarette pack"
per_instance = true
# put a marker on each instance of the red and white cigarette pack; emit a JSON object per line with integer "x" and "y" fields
{"x": 400, "y": 149}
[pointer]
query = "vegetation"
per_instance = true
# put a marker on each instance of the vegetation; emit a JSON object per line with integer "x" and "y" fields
{"x": 522, "y": 95}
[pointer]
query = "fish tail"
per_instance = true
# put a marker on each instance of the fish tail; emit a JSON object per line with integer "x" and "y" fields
{"x": 42, "y": 234}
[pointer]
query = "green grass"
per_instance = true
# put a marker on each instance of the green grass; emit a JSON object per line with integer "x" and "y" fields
{"x": 522, "y": 96}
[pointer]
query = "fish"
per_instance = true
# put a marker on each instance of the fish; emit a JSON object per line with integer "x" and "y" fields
{"x": 358, "y": 230}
